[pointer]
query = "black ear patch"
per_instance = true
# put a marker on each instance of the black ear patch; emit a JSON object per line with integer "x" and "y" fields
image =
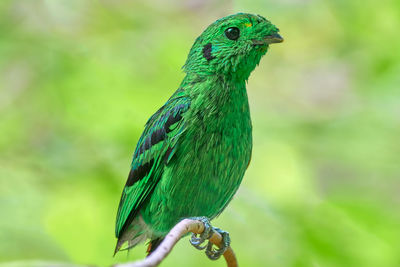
{"x": 207, "y": 52}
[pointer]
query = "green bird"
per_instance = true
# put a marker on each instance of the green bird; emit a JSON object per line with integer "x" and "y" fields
{"x": 194, "y": 151}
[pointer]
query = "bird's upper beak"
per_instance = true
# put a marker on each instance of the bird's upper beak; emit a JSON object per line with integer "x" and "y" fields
{"x": 273, "y": 39}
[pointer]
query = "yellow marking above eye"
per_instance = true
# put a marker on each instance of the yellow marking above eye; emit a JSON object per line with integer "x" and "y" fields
{"x": 248, "y": 24}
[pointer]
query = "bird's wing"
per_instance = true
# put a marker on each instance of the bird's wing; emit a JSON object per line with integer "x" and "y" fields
{"x": 155, "y": 148}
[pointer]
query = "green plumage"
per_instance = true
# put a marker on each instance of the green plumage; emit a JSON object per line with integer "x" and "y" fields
{"x": 194, "y": 151}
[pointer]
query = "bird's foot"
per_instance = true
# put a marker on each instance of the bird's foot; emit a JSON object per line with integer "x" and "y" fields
{"x": 205, "y": 235}
{"x": 214, "y": 254}
{"x": 197, "y": 242}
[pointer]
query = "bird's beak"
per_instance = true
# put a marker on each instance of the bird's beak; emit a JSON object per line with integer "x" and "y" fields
{"x": 273, "y": 39}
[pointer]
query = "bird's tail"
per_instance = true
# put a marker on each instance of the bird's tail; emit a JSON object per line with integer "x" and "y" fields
{"x": 136, "y": 233}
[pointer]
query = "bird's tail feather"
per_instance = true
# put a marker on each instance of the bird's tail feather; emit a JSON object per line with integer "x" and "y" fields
{"x": 136, "y": 233}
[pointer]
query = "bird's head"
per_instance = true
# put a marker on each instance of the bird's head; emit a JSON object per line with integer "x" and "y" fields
{"x": 232, "y": 46}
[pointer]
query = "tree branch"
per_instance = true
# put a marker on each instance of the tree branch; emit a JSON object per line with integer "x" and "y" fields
{"x": 183, "y": 227}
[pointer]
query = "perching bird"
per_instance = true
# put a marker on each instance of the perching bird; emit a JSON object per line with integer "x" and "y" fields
{"x": 194, "y": 151}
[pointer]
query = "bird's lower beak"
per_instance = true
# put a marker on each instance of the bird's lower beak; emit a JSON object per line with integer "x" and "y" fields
{"x": 273, "y": 39}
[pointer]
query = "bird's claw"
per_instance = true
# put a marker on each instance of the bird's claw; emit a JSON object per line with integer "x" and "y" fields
{"x": 197, "y": 242}
{"x": 225, "y": 243}
{"x": 205, "y": 235}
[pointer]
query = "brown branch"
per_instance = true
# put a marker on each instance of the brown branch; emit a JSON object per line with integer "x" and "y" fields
{"x": 179, "y": 230}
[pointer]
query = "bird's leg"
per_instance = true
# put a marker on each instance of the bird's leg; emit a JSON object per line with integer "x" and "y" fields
{"x": 225, "y": 243}
{"x": 197, "y": 242}
{"x": 205, "y": 235}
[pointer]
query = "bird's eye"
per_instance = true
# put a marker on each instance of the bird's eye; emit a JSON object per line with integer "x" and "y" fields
{"x": 232, "y": 33}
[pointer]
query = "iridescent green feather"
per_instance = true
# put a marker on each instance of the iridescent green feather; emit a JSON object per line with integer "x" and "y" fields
{"x": 194, "y": 151}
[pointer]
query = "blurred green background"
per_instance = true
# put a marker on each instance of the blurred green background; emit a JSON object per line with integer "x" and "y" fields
{"x": 79, "y": 79}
